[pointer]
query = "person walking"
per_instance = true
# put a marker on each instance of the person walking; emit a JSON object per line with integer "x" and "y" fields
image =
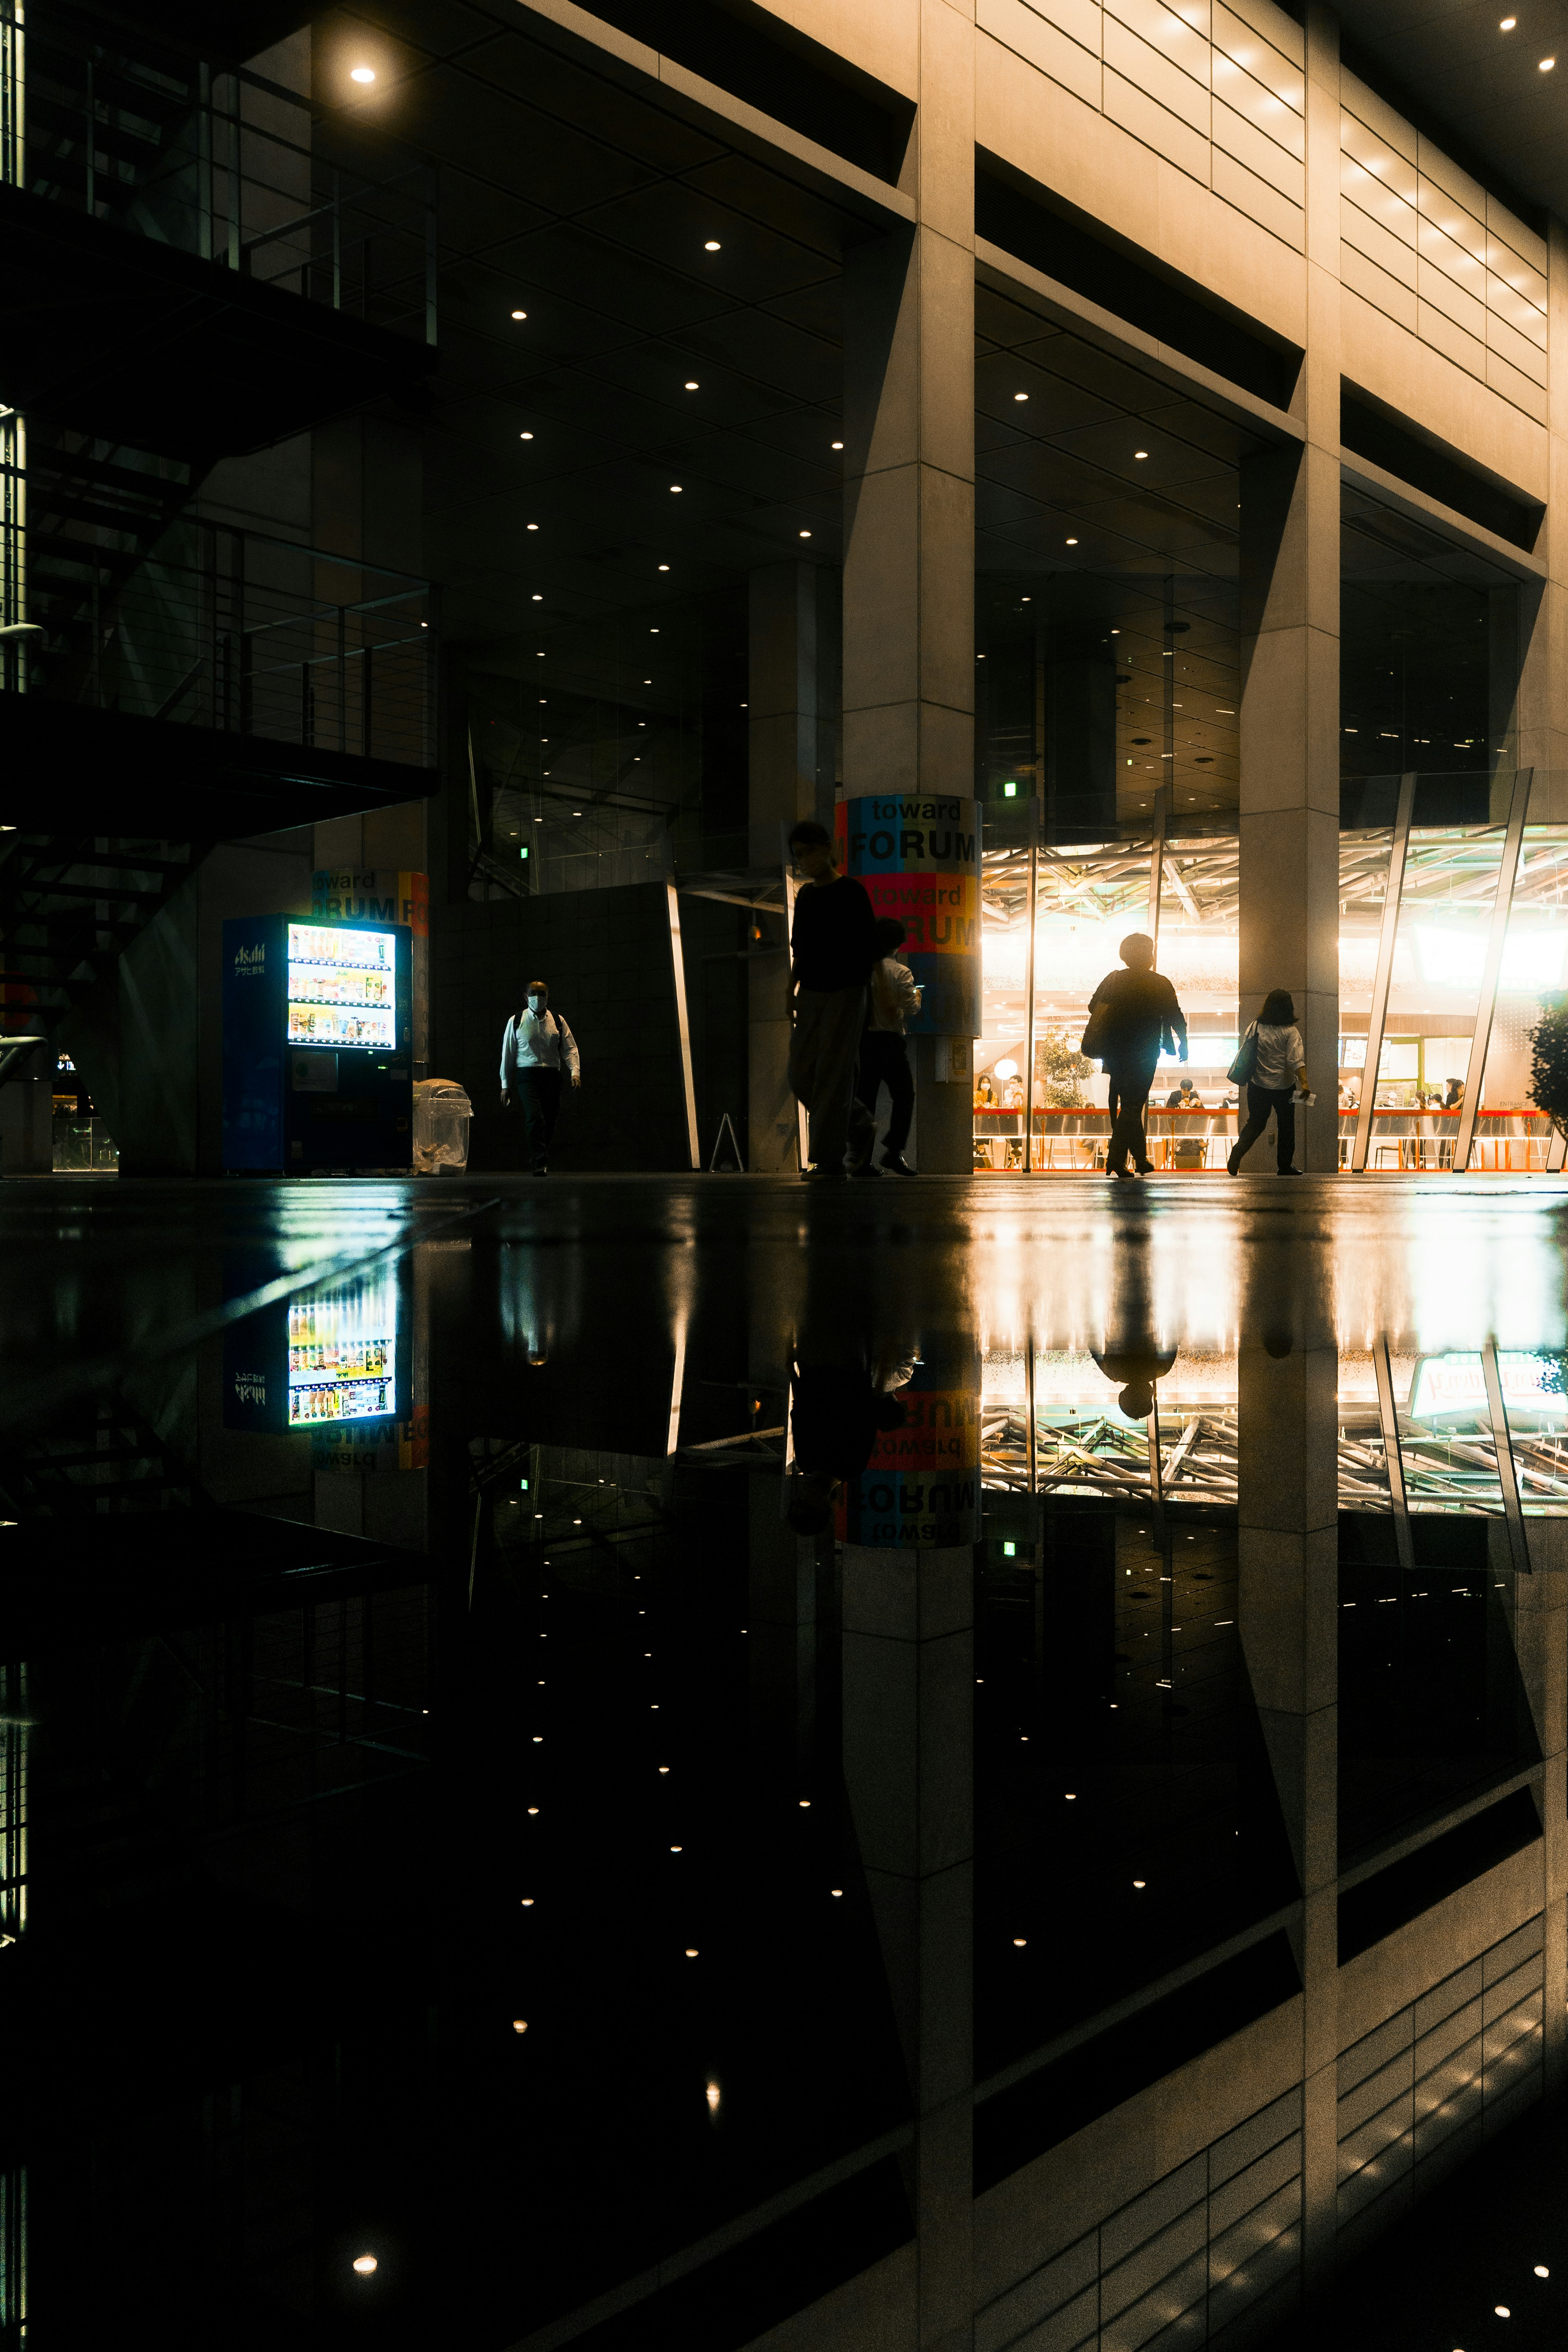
{"x": 833, "y": 947}
{"x": 536, "y": 1048}
{"x": 1269, "y": 1083}
{"x": 883, "y": 1055}
{"x": 1132, "y": 1017}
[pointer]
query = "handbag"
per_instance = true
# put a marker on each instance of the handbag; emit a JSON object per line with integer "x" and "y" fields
{"x": 1246, "y": 1062}
{"x": 1096, "y": 1042}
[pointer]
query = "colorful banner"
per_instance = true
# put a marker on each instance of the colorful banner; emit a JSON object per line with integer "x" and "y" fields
{"x": 918, "y": 855}
{"x": 920, "y": 1489}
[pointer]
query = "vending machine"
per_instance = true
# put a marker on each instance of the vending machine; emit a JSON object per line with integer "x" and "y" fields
{"x": 334, "y": 1364}
{"x": 317, "y": 1046}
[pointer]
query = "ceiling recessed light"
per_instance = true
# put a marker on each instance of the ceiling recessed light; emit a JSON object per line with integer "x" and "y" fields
{"x": 663, "y": 567}
{"x": 675, "y": 486}
{"x": 365, "y": 2264}
{"x": 524, "y": 437}
{"x": 805, "y": 534}
{"x": 1018, "y": 1942}
{"x": 838, "y": 445}
{"x": 364, "y": 73}
{"x": 1140, "y": 453}
{"x": 692, "y": 384}
{"x": 519, "y": 314}
{"x": 710, "y": 245}
{"x": 539, "y": 600}
{"x": 1020, "y": 395}
{"x": 533, "y": 526}
{"x": 519, "y": 2025}
{"x": 1071, "y": 542}
{"x": 1546, "y": 65}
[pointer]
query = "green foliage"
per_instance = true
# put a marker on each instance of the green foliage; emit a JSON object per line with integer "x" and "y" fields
{"x": 1058, "y": 1062}
{"x": 1549, "y": 1059}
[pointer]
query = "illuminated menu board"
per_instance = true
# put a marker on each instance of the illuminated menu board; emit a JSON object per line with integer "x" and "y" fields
{"x": 342, "y": 986}
{"x": 342, "y": 1356}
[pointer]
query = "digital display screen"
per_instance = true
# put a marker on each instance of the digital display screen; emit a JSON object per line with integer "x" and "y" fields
{"x": 342, "y": 987}
{"x": 342, "y": 1356}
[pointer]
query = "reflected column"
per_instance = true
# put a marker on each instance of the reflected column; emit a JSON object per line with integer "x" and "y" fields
{"x": 1288, "y": 1609}
{"x": 1537, "y": 1608}
{"x": 908, "y": 1719}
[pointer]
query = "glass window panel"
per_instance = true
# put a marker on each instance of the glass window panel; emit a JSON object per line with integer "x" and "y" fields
{"x": 1511, "y": 1134}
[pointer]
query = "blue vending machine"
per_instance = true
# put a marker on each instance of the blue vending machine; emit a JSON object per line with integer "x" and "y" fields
{"x": 317, "y": 1035}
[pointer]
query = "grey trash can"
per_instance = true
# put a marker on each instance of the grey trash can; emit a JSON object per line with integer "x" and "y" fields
{"x": 441, "y": 1115}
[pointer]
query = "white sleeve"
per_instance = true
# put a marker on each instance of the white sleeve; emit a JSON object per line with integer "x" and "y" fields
{"x": 1298, "y": 1052}
{"x": 568, "y": 1053}
{"x": 509, "y": 1054}
{"x": 908, "y": 994}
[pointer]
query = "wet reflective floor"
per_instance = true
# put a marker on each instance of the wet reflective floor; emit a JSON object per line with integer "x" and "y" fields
{"x": 671, "y": 1761}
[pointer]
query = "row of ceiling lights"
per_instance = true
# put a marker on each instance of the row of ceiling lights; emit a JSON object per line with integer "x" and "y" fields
{"x": 1507, "y": 24}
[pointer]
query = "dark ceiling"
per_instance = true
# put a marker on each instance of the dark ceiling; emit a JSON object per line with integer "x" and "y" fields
{"x": 1471, "y": 85}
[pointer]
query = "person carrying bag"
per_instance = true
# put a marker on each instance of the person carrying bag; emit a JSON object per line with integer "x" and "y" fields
{"x": 1271, "y": 1048}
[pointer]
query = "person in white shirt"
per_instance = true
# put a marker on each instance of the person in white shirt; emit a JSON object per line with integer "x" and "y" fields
{"x": 1280, "y": 1070}
{"x": 536, "y": 1048}
{"x": 883, "y": 1059}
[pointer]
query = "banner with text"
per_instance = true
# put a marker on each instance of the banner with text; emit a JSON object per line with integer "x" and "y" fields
{"x": 918, "y": 854}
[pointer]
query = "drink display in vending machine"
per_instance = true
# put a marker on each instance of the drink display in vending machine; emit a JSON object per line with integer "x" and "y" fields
{"x": 334, "y": 1363}
{"x": 317, "y": 1073}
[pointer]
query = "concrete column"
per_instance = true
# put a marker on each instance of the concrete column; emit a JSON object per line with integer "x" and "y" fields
{"x": 793, "y": 710}
{"x": 1538, "y": 1614}
{"x": 909, "y": 482}
{"x": 1540, "y": 713}
{"x": 1288, "y": 1614}
{"x": 908, "y": 1718}
{"x": 1291, "y": 656}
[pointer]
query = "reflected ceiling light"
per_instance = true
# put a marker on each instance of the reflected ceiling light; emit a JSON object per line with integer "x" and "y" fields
{"x": 364, "y": 2263}
{"x": 519, "y": 314}
{"x": 663, "y": 1768}
{"x": 364, "y": 73}
{"x": 1019, "y": 1943}
{"x": 1502, "y": 2311}
{"x": 1139, "y": 1882}
{"x": 713, "y": 2098}
{"x": 519, "y": 2025}
{"x": 805, "y": 1805}
{"x": 1546, "y": 65}
{"x": 691, "y": 1951}
{"x": 1541, "y": 2271}
{"x": 710, "y": 245}
{"x": 835, "y": 1890}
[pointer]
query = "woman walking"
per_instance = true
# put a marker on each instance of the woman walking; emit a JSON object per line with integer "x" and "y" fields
{"x": 1278, "y": 1051}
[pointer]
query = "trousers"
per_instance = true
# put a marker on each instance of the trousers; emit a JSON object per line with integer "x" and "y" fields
{"x": 539, "y": 1097}
{"x": 1130, "y": 1084}
{"x": 1260, "y": 1101}
{"x": 885, "y": 1062}
{"x": 824, "y": 1046}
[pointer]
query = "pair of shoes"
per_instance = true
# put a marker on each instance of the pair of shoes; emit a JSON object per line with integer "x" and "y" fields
{"x": 894, "y": 1164}
{"x": 1145, "y": 1167}
{"x": 1120, "y": 1175}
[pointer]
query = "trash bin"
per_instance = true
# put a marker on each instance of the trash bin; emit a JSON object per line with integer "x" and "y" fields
{"x": 441, "y": 1115}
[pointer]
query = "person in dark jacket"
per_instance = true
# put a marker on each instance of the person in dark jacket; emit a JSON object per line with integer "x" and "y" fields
{"x": 1140, "y": 1019}
{"x": 833, "y": 946}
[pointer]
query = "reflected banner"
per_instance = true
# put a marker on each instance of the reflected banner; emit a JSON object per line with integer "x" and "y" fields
{"x": 919, "y": 856}
{"x": 920, "y": 1489}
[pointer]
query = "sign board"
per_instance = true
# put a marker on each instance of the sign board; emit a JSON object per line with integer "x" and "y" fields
{"x": 918, "y": 854}
{"x": 1533, "y": 1379}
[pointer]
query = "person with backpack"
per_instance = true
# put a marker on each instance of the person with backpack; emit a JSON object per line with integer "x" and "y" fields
{"x": 1133, "y": 1017}
{"x": 1271, "y": 1051}
{"x": 536, "y": 1048}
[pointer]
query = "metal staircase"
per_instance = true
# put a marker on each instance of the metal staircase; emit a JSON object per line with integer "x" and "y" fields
{"x": 68, "y": 908}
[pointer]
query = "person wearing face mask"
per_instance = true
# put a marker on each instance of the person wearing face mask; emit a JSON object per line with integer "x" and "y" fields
{"x": 538, "y": 1046}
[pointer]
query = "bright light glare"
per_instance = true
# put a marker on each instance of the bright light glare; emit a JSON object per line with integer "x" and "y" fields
{"x": 364, "y": 2263}
{"x": 1007, "y": 1069}
{"x": 713, "y": 2098}
{"x": 364, "y": 73}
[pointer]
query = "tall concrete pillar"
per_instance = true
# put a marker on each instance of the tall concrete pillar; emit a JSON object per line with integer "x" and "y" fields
{"x": 909, "y": 486}
{"x": 908, "y": 1718}
{"x": 793, "y": 710}
{"x": 1290, "y": 738}
{"x": 1540, "y": 713}
{"x": 1287, "y": 1617}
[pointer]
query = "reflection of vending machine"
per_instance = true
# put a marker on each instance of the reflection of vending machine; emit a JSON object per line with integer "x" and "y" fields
{"x": 317, "y": 1037}
{"x": 334, "y": 1363}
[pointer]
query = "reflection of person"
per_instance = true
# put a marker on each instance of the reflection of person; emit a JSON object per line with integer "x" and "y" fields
{"x": 833, "y": 947}
{"x": 537, "y": 1046}
{"x": 838, "y": 1408}
{"x": 1185, "y": 1097}
{"x": 884, "y": 1056}
{"x": 1140, "y": 1017}
{"x": 1271, "y": 1087}
{"x": 1132, "y": 1352}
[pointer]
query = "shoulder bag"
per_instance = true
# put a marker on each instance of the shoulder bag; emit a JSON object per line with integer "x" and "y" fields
{"x": 1246, "y": 1062}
